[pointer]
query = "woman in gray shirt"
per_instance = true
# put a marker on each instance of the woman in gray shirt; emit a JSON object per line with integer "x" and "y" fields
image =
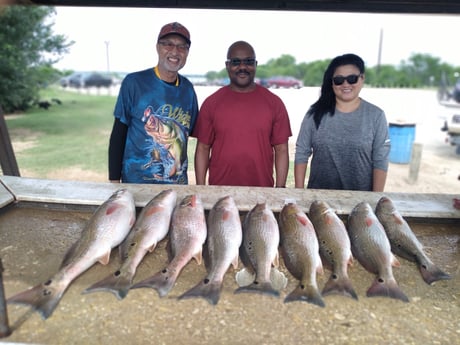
{"x": 346, "y": 136}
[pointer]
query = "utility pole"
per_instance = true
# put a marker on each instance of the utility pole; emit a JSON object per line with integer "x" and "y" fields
{"x": 107, "y": 55}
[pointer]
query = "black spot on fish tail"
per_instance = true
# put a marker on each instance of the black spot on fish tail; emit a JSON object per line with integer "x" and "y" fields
{"x": 162, "y": 282}
{"x": 431, "y": 273}
{"x": 116, "y": 283}
{"x": 42, "y": 298}
{"x": 383, "y": 288}
{"x": 339, "y": 286}
{"x": 305, "y": 293}
{"x": 206, "y": 289}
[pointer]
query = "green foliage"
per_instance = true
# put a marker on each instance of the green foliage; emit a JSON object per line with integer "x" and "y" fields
{"x": 27, "y": 53}
{"x": 420, "y": 70}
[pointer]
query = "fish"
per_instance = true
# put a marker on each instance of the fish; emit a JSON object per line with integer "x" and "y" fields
{"x": 334, "y": 248}
{"x": 371, "y": 246}
{"x": 150, "y": 228}
{"x": 221, "y": 249}
{"x": 258, "y": 252}
{"x": 187, "y": 235}
{"x": 106, "y": 229}
{"x": 404, "y": 242}
{"x": 300, "y": 251}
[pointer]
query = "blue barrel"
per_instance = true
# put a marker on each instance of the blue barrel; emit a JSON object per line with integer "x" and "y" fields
{"x": 402, "y": 137}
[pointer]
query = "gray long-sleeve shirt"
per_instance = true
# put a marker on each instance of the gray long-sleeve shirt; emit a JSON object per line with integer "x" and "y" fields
{"x": 346, "y": 148}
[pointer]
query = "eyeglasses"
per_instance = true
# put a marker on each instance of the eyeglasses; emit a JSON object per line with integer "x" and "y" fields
{"x": 236, "y": 62}
{"x": 351, "y": 79}
{"x": 169, "y": 46}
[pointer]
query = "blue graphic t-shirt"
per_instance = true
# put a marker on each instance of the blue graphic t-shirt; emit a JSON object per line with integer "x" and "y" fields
{"x": 160, "y": 117}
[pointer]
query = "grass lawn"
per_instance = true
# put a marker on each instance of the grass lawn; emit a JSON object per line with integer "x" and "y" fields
{"x": 72, "y": 136}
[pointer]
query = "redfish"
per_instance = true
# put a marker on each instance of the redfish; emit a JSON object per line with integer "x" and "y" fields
{"x": 221, "y": 249}
{"x": 187, "y": 235}
{"x": 106, "y": 229}
{"x": 404, "y": 242}
{"x": 300, "y": 250}
{"x": 334, "y": 248}
{"x": 151, "y": 227}
{"x": 370, "y": 245}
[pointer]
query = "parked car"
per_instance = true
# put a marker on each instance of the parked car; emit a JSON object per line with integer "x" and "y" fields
{"x": 283, "y": 82}
{"x": 89, "y": 80}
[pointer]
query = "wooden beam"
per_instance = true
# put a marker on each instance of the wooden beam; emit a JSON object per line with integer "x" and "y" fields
{"x": 7, "y": 157}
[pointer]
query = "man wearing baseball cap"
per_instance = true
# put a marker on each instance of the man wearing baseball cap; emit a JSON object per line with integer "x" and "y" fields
{"x": 155, "y": 112}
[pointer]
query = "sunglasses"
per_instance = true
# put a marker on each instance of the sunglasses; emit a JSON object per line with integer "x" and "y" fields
{"x": 236, "y": 62}
{"x": 351, "y": 79}
{"x": 169, "y": 46}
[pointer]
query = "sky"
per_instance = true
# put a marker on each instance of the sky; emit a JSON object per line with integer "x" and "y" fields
{"x": 123, "y": 39}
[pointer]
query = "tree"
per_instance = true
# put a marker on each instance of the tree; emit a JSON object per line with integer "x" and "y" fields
{"x": 27, "y": 52}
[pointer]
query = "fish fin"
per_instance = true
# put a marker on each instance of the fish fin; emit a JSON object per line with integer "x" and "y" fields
{"x": 389, "y": 288}
{"x": 244, "y": 277}
{"x": 43, "y": 298}
{"x": 328, "y": 219}
{"x": 162, "y": 282}
{"x": 152, "y": 248}
{"x": 278, "y": 279}
{"x": 319, "y": 268}
{"x": 261, "y": 288}
{"x": 431, "y": 273}
{"x": 340, "y": 286}
{"x": 206, "y": 289}
{"x": 276, "y": 260}
{"x": 394, "y": 261}
{"x": 235, "y": 262}
{"x": 105, "y": 258}
{"x": 306, "y": 293}
{"x": 198, "y": 257}
{"x": 398, "y": 218}
{"x": 116, "y": 283}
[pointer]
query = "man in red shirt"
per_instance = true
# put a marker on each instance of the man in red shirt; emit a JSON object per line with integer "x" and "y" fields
{"x": 242, "y": 130}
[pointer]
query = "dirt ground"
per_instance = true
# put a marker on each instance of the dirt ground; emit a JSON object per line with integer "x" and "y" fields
{"x": 431, "y": 317}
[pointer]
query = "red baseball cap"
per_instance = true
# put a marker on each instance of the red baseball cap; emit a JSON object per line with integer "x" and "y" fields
{"x": 176, "y": 29}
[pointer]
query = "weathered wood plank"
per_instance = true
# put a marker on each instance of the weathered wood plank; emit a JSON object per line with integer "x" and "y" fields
{"x": 435, "y": 206}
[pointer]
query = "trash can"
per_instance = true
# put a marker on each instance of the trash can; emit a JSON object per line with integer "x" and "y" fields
{"x": 402, "y": 137}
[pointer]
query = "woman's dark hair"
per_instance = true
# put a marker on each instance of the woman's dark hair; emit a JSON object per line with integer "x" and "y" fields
{"x": 326, "y": 102}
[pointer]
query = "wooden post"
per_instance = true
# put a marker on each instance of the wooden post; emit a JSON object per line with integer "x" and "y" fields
{"x": 7, "y": 157}
{"x": 415, "y": 160}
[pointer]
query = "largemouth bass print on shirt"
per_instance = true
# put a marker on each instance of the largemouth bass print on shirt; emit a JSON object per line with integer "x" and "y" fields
{"x": 169, "y": 145}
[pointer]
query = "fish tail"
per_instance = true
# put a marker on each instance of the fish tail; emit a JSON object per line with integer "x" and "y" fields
{"x": 206, "y": 289}
{"x": 306, "y": 293}
{"x": 42, "y": 298}
{"x": 116, "y": 283}
{"x": 161, "y": 282}
{"x": 431, "y": 273}
{"x": 261, "y": 288}
{"x": 386, "y": 288}
{"x": 339, "y": 285}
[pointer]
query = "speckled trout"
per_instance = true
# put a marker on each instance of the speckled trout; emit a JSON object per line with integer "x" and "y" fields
{"x": 300, "y": 250}
{"x": 334, "y": 248}
{"x": 151, "y": 227}
{"x": 187, "y": 235}
{"x": 221, "y": 249}
{"x": 404, "y": 242}
{"x": 106, "y": 229}
{"x": 259, "y": 252}
{"x": 370, "y": 245}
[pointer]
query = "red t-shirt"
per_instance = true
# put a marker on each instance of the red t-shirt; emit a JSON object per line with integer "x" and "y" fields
{"x": 242, "y": 129}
